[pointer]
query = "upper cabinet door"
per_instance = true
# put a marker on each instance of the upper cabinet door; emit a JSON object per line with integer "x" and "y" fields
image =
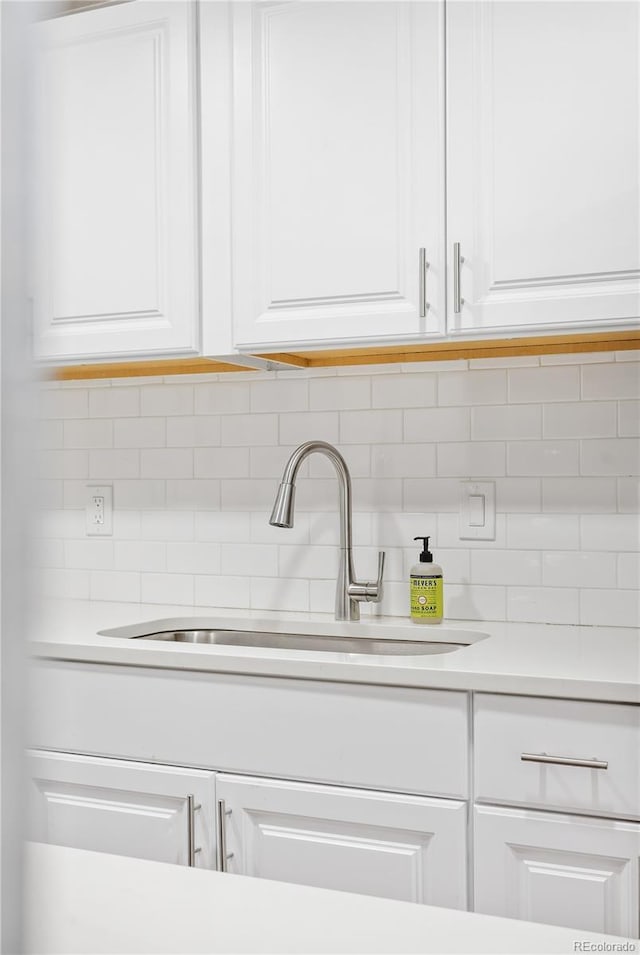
{"x": 116, "y": 267}
{"x": 543, "y": 159}
{"x": 338, "y": 177}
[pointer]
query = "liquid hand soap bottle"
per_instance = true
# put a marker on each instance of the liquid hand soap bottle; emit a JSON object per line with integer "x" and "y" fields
{"x": 425, "y": 582}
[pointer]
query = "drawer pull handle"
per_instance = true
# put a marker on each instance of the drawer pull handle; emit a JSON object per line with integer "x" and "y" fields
{"x": 223, "y": 856}
{"x": 564, "y": 761}
{"x": 192, "y": 849}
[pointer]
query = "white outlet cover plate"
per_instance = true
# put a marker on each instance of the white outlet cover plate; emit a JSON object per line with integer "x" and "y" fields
{"x": 106, "y": 528}
{"x": 477, "y": 518}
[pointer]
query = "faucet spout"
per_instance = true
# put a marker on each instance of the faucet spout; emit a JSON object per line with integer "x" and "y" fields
{"x": 349, "y": 592}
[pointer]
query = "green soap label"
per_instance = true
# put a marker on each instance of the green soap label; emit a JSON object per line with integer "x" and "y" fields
{"x": 426, "y": 597}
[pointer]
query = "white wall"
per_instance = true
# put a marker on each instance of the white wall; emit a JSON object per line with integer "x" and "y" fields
{"x": 195, "y": 464}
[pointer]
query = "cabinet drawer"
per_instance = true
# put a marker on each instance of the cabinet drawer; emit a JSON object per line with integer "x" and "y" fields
{"x": 604, "y": 736}
{"x": 379, "y": 737}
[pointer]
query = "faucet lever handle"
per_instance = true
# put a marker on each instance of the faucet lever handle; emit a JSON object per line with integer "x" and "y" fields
{"x": 381, "y": 556}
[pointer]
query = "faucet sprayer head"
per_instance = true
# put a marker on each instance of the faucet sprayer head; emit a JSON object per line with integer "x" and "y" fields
{"x": 282, "y": 513}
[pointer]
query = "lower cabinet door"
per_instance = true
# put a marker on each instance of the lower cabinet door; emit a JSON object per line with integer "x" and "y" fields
{"x": 576, "y": 871}
{"x": 400, "y": 847}
{"x": 126, "y": 808}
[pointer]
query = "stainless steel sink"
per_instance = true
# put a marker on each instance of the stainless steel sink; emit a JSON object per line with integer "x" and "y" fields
{"x": 303, "y": 641}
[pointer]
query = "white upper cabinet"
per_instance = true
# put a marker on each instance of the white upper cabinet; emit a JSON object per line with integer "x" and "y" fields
{"x": 543, "y": 190}
{"x": 116, "y": 270}
{"x": 337, "y": 169}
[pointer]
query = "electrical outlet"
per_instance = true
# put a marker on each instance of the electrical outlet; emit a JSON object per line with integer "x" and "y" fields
{"x": 99, "y": 510}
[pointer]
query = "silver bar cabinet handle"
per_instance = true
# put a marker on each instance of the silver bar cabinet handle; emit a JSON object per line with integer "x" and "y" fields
{"x": 192, "y": 808}
{"x": 423, "y": 266}
{"x": 223, "y": 855}
{"x": 457, "y": 298}
{"x": 564, "y": 761}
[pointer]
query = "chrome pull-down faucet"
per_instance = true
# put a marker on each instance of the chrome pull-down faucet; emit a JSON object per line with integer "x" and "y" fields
{"x": 349, "y": 591}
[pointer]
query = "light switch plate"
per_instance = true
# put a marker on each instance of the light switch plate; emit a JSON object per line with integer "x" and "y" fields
{"x": 99, "y": 510}
{"x": 477, "y": 519}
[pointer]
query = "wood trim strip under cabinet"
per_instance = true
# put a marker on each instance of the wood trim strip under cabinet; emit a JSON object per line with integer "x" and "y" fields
{"x": 385, "y": 354}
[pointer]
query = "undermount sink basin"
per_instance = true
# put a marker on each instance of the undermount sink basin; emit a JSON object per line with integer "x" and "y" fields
{"x": 303, "y": 641}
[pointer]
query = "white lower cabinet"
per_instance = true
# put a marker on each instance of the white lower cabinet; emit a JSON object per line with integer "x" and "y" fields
{"x": 576, "y": 871}
{"x": 122, "y": 807}
{"x": 411, "y": 848}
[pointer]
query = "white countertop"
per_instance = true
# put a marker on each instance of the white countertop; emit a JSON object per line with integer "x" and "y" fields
{"x": 599, "y": 663}
{"x": 90, "y": 902}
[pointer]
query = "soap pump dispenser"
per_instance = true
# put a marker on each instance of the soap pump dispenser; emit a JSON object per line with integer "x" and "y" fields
{"x": 425, "y": 582}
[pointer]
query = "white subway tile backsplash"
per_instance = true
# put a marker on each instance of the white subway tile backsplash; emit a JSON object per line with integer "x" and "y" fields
{"x": 579, "y": 495}
{"x": 222, "y": 527}
{"x": 376, "y": 494}
{"x": 64, "y": 584}
{"x": 247, "y": 495}
{"x": 193, "y": 557}
{"x": 300, "y": 426}
{"x": 578, "y": 569}
{"x": 167, "y": 589}
{"x": 250, "y": 430}
{"x": 89, "y": 554}
{"x": 506, "y": 567}
{"x": 610, "y": 532}
{"x": 472, "y": 459}
{"x": 629, "y": 419}
{"x": 195, "y": 463}
{"x": 575, "y": 419}
{"x": 371, "y": 427}
{"x": 221, "y": 462}
{"x": 115, "y": 585}
{"x": 430, "y": 494}
{"x": 139, "y": 494}
{"x": 357, "y": 456}
{"x": 88, "y": 433}
{"x": 543, "y": 531}
{"x": 506, "y": 422}
{"x": 145, "y": 556}
{"x": 114, "y": 403}
{"x": 629, "y": 571}
{"x": 222, "y": 591}
{"x": 167, "y": 399}
{"x": 437, "y": 424}
{"x": 628, "y": 495}
{"x": 544, "y": 384}
{"x": 113, "y": 463}
{"x": 472, "y": 388}
{"x": 614, "y": 456}
{"x": 601, "y": 608}
{"x": 198, "y": 494}
{"x": 273, "y": 593}
{"x": 259, "y": 560}
{"x": 167, "y": 526}
{"x": 518, "y": 495}
{"x": 475, "y": 602}
{"x": 50, "y": 434}
{"x": 197, "y": 431}
{"x": 224, "y": 397}
{"x": 403, "y": 460}
{"x": 403, "y": 391}
{"x": 279, "y": 395}
{"x": 543, "y": 604}
{"x": 63, "y": 402}
{"x": 64, "y": 464}
{"x": 543, "y": 458}
{"x": 137, "y": 432}
{"x": 325, "y": 394}
{"x": 166, "y": 463}
{"x": 308, "y": 561}
{"x": 614, "y": 380}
